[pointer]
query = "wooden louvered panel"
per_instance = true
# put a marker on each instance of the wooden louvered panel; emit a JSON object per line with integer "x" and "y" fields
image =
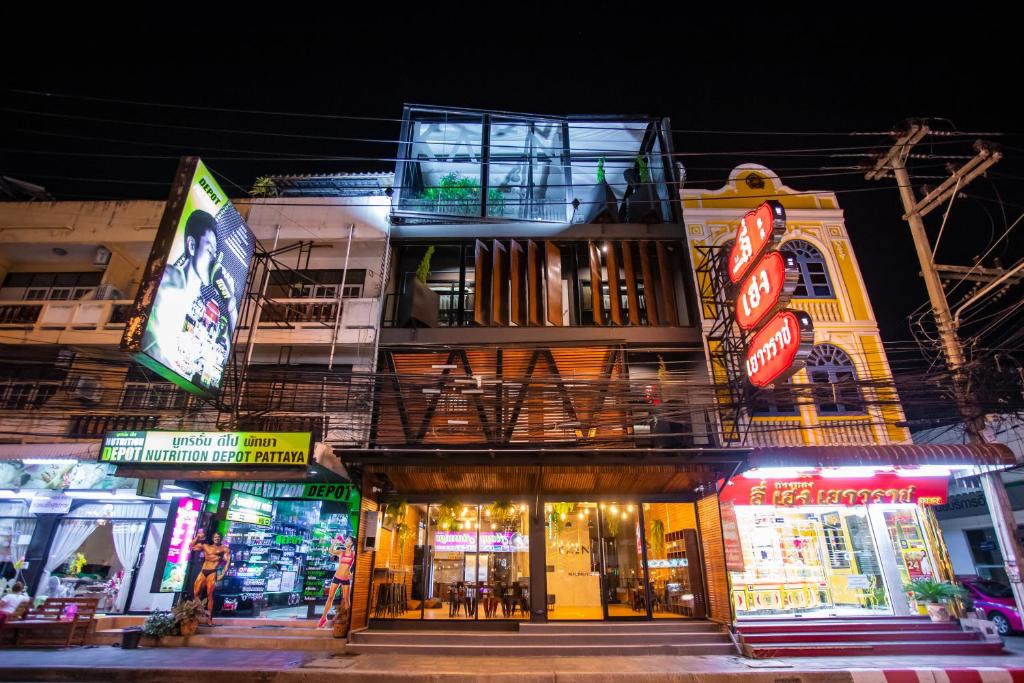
{"x": 363, "y": 569}
{"x": 553, "y": 277}
{"x": 667, "y": 295}
{"x": 553, "y": 480}
{"x": 534, "y": 284}
{"x": 632, "y": 294}
{"x": 710, "y": 519}
{"x": 499, "y": 285}
{"x": 519, "y": 290}
{"x": 614, "y": 302}
{"x": 482, "y": 285}
{"x": 596, "y": 300}
{"x": 650, "y": 286}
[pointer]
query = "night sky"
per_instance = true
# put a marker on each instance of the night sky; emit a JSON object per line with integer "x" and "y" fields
{"x": 859, "y": 71}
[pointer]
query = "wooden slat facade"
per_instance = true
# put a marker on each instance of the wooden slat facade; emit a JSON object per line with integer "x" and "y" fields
{"x": 482, "y": 284}
{"x": 499, "y": 284}
{"x": 363, "y": 569}
{"x": 553, "y": 277}
{"x": 614, "y": 301}
{"x": 534, "y": 283}
{"x": 596, "y": 300}
{"x": 527, "y": 398}
{"x": 667, "y": 293}
{"x": 709, "y": 518}
{"x": 650, "y": 292}
{"x": 632, "y": 291}
{"x": 519, "y": 295}
{"x": 518, "y": 480}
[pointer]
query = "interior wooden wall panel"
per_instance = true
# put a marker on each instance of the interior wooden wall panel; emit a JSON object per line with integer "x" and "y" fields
{"x": 614, "y": 302}
{"x": 499, "y": 285}
{"x": 632, "y": 292}
{"x": 519, "y": 291}
{"x": 710, "y": 519}
{"x": 553, "y": 277}
{"x": 534, "y": 284}
{"x": 482, "y": 284}
{"x": 650, "y": 286}
{"x": 596, "y": 300}
{"x": 667, "y": 295}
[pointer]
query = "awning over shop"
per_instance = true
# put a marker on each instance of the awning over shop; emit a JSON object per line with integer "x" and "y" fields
{"x": 88, "y": 450}
{"x": 965, "y": 455}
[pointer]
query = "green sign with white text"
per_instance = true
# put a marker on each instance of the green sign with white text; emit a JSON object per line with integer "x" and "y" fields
{"x": 208, "y": 449}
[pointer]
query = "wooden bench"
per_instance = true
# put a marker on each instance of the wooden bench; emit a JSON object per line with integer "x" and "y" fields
{"x": 44, "y": 625}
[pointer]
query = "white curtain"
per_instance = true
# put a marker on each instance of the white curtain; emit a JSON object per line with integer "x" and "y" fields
{"x": 71, "y": 534}
{"x": 23, "y": 529}
{"x": 127, "y": 538}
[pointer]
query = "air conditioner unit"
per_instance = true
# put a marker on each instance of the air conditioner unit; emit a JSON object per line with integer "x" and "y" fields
{"x": 88, "y": 388}
{"x": 108, "y": 292}
{"x": 101, "y": 257}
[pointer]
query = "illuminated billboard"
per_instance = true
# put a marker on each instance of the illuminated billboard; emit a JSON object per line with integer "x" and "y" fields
{"x": 203, "y": 450}
{"x": 245, "y": 507}
{"x": 186, "y": 312}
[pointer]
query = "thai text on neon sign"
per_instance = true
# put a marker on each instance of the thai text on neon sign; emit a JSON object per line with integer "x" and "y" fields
{"x": 758, "y": 231}
{"x": 774, "y": 349}
{"x": 765, "y": 289}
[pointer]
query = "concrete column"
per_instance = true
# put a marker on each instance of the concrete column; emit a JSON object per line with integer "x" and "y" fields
{"x": 538, "y": 564}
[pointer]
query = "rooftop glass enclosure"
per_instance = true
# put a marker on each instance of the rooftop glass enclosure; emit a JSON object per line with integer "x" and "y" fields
{"x": 483, "y": 166}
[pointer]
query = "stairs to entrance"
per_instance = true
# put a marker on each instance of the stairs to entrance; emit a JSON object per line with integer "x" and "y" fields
{"x": 238, "y": 634}
{"x": 837, "y": 637}
{"x": 554, "y": 639}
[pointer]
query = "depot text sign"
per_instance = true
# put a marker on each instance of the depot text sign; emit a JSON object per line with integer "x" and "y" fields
{"x": 207, "y": 449}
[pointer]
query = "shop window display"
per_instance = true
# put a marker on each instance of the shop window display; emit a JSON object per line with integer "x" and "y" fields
{"x": 807, "y": 560}
{"x": 16, "y": 528}
{"x": 453, "y": 561}
{"x": 281, "y": 557}
{"x": 673, "y": 560}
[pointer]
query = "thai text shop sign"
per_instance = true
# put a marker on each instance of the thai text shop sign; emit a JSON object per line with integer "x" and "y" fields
{"x": 175, "y": 555}
{"x": 490, "y": 542}
{"x": 884, "y": 487}
{"x": 208, "y": 449}
{"x": 184, "y": 317}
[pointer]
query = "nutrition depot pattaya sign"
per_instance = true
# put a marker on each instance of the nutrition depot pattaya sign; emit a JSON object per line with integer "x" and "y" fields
{"x": 208, "y": 449}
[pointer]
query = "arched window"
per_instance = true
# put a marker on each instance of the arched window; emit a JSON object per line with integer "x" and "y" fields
{"x": 814, "y": 282}
{"x": 831, "y": 368}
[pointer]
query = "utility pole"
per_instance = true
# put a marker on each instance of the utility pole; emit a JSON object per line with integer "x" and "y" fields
{"x": 894, "y": 161}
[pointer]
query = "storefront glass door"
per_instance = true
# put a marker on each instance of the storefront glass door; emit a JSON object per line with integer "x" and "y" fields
{"x": 623, "y": 582}
{"x": 673, "y": 561}
{"x": 573, "y": 558}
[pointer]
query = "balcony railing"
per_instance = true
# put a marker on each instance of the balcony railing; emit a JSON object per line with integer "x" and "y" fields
{"x": 64, "y": 315}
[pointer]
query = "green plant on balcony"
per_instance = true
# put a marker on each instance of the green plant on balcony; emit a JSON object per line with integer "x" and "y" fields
{"x": 600, "y": 171}
{"x": 423, "y": 269}
{"x": 263, "y": 187}
{"x": 464, "y": 193}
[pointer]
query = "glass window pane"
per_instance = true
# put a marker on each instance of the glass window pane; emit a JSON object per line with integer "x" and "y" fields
{"x": 442, "y": 172}
{"x": 526, "y": 171}
{"x": 673, "y": 560}
{"x": 573, "y": 559}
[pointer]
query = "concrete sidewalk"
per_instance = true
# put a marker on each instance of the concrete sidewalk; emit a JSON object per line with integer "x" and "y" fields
{"x": 197, "y": 665}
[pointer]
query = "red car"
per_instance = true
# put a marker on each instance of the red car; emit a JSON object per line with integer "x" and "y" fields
{"x": 996, "y": 599}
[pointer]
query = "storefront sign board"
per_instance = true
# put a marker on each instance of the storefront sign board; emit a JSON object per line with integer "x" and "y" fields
{"x": 175, "y": 555}
{"x": 250, "y": 509}
{"x": 767, "y": 289}
{"x": 58, "y": 474}
{"x": 50, "y": 504}
{"x": 490, "y": 542}
{"x": 208, "y": 449}
{"x": 780, "y": 348}
{"x": 670, "y": 563}
{"x": 183, "y": 321}
{"x": 731, "y": 536}
{"x": 758, "y": 231}
{"x": 817, "y": 490}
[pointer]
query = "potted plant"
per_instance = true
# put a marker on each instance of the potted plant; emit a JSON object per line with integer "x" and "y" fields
{"x": 187, "y": 615}
{"x": 934, "y": 594}
{"x": 159, "y": 624}
{"x": 601, "y": 204}
{"x": 420, "y": 304}
{"x": 448, "y": 515}
{"x": 641, "y": 203}
{"x": 339, "y": 625}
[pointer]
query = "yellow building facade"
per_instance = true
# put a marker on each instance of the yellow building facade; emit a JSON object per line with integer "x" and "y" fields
{"x": 848, "y": 348}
